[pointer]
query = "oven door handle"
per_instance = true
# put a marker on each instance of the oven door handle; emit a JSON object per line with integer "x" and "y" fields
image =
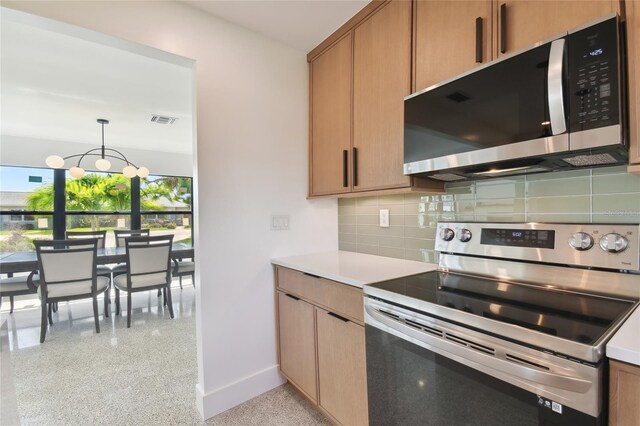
{"x": 446, "y": 347}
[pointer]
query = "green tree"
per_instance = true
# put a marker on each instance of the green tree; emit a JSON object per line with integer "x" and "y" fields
{"x": 94, "y": 192}
{"x": 174, "y": 189}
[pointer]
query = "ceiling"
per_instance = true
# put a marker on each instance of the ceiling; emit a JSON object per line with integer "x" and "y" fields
{"x": 301, "y": 24}
{"x": 55, "y": 86}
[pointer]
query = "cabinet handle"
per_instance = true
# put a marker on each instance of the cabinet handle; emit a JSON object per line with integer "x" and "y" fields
{"x": 341, "y": 318}
{"x": 355, "y": 166}
{"x": 310, "y": 275}
{"x": 291, "y": 296}
{"x": 503, "y": 28}
{"x": 345, "y": 165}
{"x": 479, "y": 40}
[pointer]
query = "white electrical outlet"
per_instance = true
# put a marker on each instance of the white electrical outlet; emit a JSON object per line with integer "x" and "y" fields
{"x": 384, "y": 218}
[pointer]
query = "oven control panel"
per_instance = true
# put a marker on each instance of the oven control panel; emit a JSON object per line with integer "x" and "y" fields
{"x": 612, "y": 246}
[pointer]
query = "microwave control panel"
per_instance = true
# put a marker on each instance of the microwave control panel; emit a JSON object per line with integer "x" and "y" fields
{"x": 594, "y": 82}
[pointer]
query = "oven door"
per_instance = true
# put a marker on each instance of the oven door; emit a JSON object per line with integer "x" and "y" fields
{"x": 415, "y": 380}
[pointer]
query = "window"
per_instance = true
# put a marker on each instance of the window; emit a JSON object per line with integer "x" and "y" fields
{"x": 97, "y": 201}
{"x": 26, "y": 206}
{"x": 165, "y": 204}
{"x": 98, "y": 192}
{"x": 165, "y": 193}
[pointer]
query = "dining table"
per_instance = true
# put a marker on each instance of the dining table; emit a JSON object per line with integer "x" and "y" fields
{"x": 27, "y": 261}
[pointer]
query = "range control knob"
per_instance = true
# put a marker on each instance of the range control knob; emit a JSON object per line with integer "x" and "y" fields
{"x": 614, "y": 243}
{"x": 581, "y": 241}
{"x": 446, "y": 234}
{"x": 464, "y": 235}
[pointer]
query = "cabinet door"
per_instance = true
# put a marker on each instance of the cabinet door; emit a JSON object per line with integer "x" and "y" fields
{"x": 331, "y": 79}
{"x": 633, "y": 37}
{"x": 624, "y": 394}
{"x": 297, "y": 343}
{"x": 530, "y": 21}
{"x": 342, "y": 371}
{"x": 382, "y": 78}
{"x": 446, "y": 39}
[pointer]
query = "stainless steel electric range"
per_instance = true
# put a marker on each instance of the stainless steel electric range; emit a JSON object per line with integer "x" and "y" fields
{"x": 510, "y": 330}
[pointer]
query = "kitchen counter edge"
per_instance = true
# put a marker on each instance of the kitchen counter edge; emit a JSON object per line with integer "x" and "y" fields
{"x": 355, "y": 269}
{"x": 625, "y": 344}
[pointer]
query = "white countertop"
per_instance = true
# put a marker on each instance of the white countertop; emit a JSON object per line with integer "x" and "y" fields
{"x": 355, "y": 269}
{"x": 625, "y": 344}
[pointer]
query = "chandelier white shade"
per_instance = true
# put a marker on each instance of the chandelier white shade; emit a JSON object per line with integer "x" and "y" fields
{"x": 76, "y": 172}
{"x": 55, "y": 161}
{"x": 103, "y": 164}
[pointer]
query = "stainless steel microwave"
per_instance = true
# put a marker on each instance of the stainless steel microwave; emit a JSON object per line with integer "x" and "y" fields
{"x": 557, "y": 105}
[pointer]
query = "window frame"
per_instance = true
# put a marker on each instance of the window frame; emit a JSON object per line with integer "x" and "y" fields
{"x": 59, "y": 212}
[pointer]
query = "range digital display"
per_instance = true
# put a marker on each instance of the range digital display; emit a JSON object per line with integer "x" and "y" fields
{"x": 534, "y": 238}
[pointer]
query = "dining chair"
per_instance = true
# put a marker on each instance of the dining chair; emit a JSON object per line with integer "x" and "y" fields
{"x": 103, "y": 270}
{"x": 17, "y": 286}
{"x": 183, "y": 268}
{"x": 68, "y": 272}
{"x": 121, "y": 235}
{"x": 148, "y": 268}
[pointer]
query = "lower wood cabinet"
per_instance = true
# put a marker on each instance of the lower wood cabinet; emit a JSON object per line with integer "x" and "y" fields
{"x": 296, "y": 329}
{"x": 322, "y": 343}
{"x": 624, "y": 394}
{"x": 342, "y": 370}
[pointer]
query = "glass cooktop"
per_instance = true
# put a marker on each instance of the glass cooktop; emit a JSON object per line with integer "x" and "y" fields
{"x": 577, "y": 317}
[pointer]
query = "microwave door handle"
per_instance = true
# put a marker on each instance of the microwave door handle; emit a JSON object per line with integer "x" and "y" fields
{"x": 554, "y": 88}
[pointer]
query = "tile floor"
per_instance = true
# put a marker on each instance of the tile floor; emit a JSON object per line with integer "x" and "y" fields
{"x": 144, "y": 375}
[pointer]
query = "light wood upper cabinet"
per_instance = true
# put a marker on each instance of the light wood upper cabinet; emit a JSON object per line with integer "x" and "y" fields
{"x": 331, "y": 119}
{"x": 530, "y": 21}
{"x": 296, "y": 331}
{"x": 624, "y": 394}
{"x": 342, "y": 371}
{"x": 447, "y": 42}
{"x": 633, "y": 39}
{"x": 382, "y": 78}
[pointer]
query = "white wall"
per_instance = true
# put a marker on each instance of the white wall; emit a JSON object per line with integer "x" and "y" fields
{"x": 24, "y": 151}
{"x": 251, "y": 156}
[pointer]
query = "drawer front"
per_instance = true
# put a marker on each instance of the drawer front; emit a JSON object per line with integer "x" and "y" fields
{"x": 340, "y": 298}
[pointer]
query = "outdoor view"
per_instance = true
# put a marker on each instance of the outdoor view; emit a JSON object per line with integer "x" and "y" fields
{"x": 97, "y": 201}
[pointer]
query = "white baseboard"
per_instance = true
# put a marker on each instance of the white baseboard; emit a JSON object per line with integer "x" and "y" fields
{"x": 226, "y": 397}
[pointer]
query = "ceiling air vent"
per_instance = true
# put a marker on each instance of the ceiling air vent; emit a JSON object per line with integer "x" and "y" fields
{"x": 161, "y": 119}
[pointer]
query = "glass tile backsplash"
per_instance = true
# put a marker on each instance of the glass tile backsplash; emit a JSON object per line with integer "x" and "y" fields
{"x": 605, "y": 195}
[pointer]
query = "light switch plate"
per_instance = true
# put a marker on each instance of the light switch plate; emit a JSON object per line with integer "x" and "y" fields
{"x": 280, "y": 222}
{"x": 384, "y": 218}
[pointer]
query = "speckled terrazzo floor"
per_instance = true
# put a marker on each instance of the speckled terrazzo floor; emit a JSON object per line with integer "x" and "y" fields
{"x": 144, "y": 375}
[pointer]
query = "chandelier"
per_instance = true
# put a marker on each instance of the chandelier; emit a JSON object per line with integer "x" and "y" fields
{"x": 102, "y": 163}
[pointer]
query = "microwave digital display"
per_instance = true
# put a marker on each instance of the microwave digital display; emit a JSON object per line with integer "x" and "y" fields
{"x": 596, "y": 52}
{"x": 534, "y": 238}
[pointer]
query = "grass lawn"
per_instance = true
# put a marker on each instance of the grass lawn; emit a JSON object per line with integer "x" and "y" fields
{"x": 31, "y": 232}
{"x": 49, "y": 231}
